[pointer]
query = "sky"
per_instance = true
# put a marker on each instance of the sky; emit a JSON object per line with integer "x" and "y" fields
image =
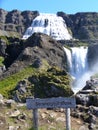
{"x": 51, "y": 6}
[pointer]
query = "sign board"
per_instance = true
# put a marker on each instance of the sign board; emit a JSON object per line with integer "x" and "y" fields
{"x": 59, "y": 102}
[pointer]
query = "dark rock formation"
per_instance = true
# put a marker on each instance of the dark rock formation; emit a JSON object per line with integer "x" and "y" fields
{"x": 37, "y": 48}
{"x": 40, "y": 46}
{"x": 16, "y": 21}
{"x": 13, "y": 50}
{"x": 88, "y": 95}
{"x": 3, "y": 47}
{"x": 87, "y": 104}
{"x": 93, "y": 55}
{"x": 82, "y": 25}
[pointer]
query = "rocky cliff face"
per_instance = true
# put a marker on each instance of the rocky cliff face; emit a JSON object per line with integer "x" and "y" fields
{"x": 81, "y": 25}
{"x": 33, "y": 51}
{"x": 15, "y": 21}
{"x": 93, "y": 55}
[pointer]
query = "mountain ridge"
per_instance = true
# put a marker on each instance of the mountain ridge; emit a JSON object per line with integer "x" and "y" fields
{"x": 82, "y": 25}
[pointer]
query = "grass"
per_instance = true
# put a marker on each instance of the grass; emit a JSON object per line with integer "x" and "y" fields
{"x": 1, "y": 60}
{"x": 95, "y": 75}
{"x": 43, "y": 81}
{"x": 9, "y": 83}
{"x": 5, "y": 39}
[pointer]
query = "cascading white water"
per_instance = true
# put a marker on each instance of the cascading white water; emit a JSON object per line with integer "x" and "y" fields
{"x": 69, "y": 57}
{"x": 77, "y": 59}
{"x": 49, "y": 24}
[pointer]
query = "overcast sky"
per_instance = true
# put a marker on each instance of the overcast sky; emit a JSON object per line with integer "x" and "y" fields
{"x": 51, "y": 6}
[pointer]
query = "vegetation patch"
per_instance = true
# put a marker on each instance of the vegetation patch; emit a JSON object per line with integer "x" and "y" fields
{"x": 1, "y": 60}
{"x": 51, "y": 83}
{"x": 9, "y": 83}
{"x": 45, "y": 85}
{"x": 5, "y": 38}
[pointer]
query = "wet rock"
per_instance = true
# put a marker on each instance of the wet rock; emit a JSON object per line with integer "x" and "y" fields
{"x": 83, "y": 99}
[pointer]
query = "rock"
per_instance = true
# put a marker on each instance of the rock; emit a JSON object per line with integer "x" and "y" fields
{"x": 1, "y": 97}
{"x": 38, "y": 49}
{"x": 37, "y": 63}
{"x": 3, "y": 14}
{"x": 43, "y": 115}
{"x": 91, "y": 126}
{"x": 92, "y": 55}
{"x": 20, "y": 91}
{"x": 82, "y": 25}
{"x": 2, "y": 121}
{"x": 2, "y": 69}
{"x": 88, "y": 100}
{"x": 13, "y": 127}
{"x": 82, "y": 99}
{"x": 83, "y": 128}
{"x": 3, "y": 47}
{"x": 92, "y": 119}
{"x": 94, "y": 110}
{"x": 15, "y": 113}
{"x": 9, "y": 103}
{"x": 88, "y": 95}
{"x": 62, "y": 119}
{"x": 22, "y": 117}
{"x": 16, "y": 21}
{"x": 1, "y": 100}
{"x": 53, "y": 115}
{"x": 76, "y": 114}
{"x": 21, "y": 87}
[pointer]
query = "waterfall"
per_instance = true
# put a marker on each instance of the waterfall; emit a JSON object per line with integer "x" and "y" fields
{"x": 69, "y": 57}
{"x": 78, "y": 66}
{"x": 79, "y": 61}
{"x": 49, "y": 24}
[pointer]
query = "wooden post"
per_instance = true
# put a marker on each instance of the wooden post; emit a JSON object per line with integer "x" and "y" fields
{"x": 35, "y": 119}
{"x": 68, "y": 125}
{"x": 59, "y": 102}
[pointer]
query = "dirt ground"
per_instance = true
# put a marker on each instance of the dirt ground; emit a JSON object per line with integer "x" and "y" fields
{"x": 56, "y": 120}
{"x": 48, "y": 119}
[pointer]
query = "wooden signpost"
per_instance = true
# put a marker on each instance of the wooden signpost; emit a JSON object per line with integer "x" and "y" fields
{"x": 59, "y": 102}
